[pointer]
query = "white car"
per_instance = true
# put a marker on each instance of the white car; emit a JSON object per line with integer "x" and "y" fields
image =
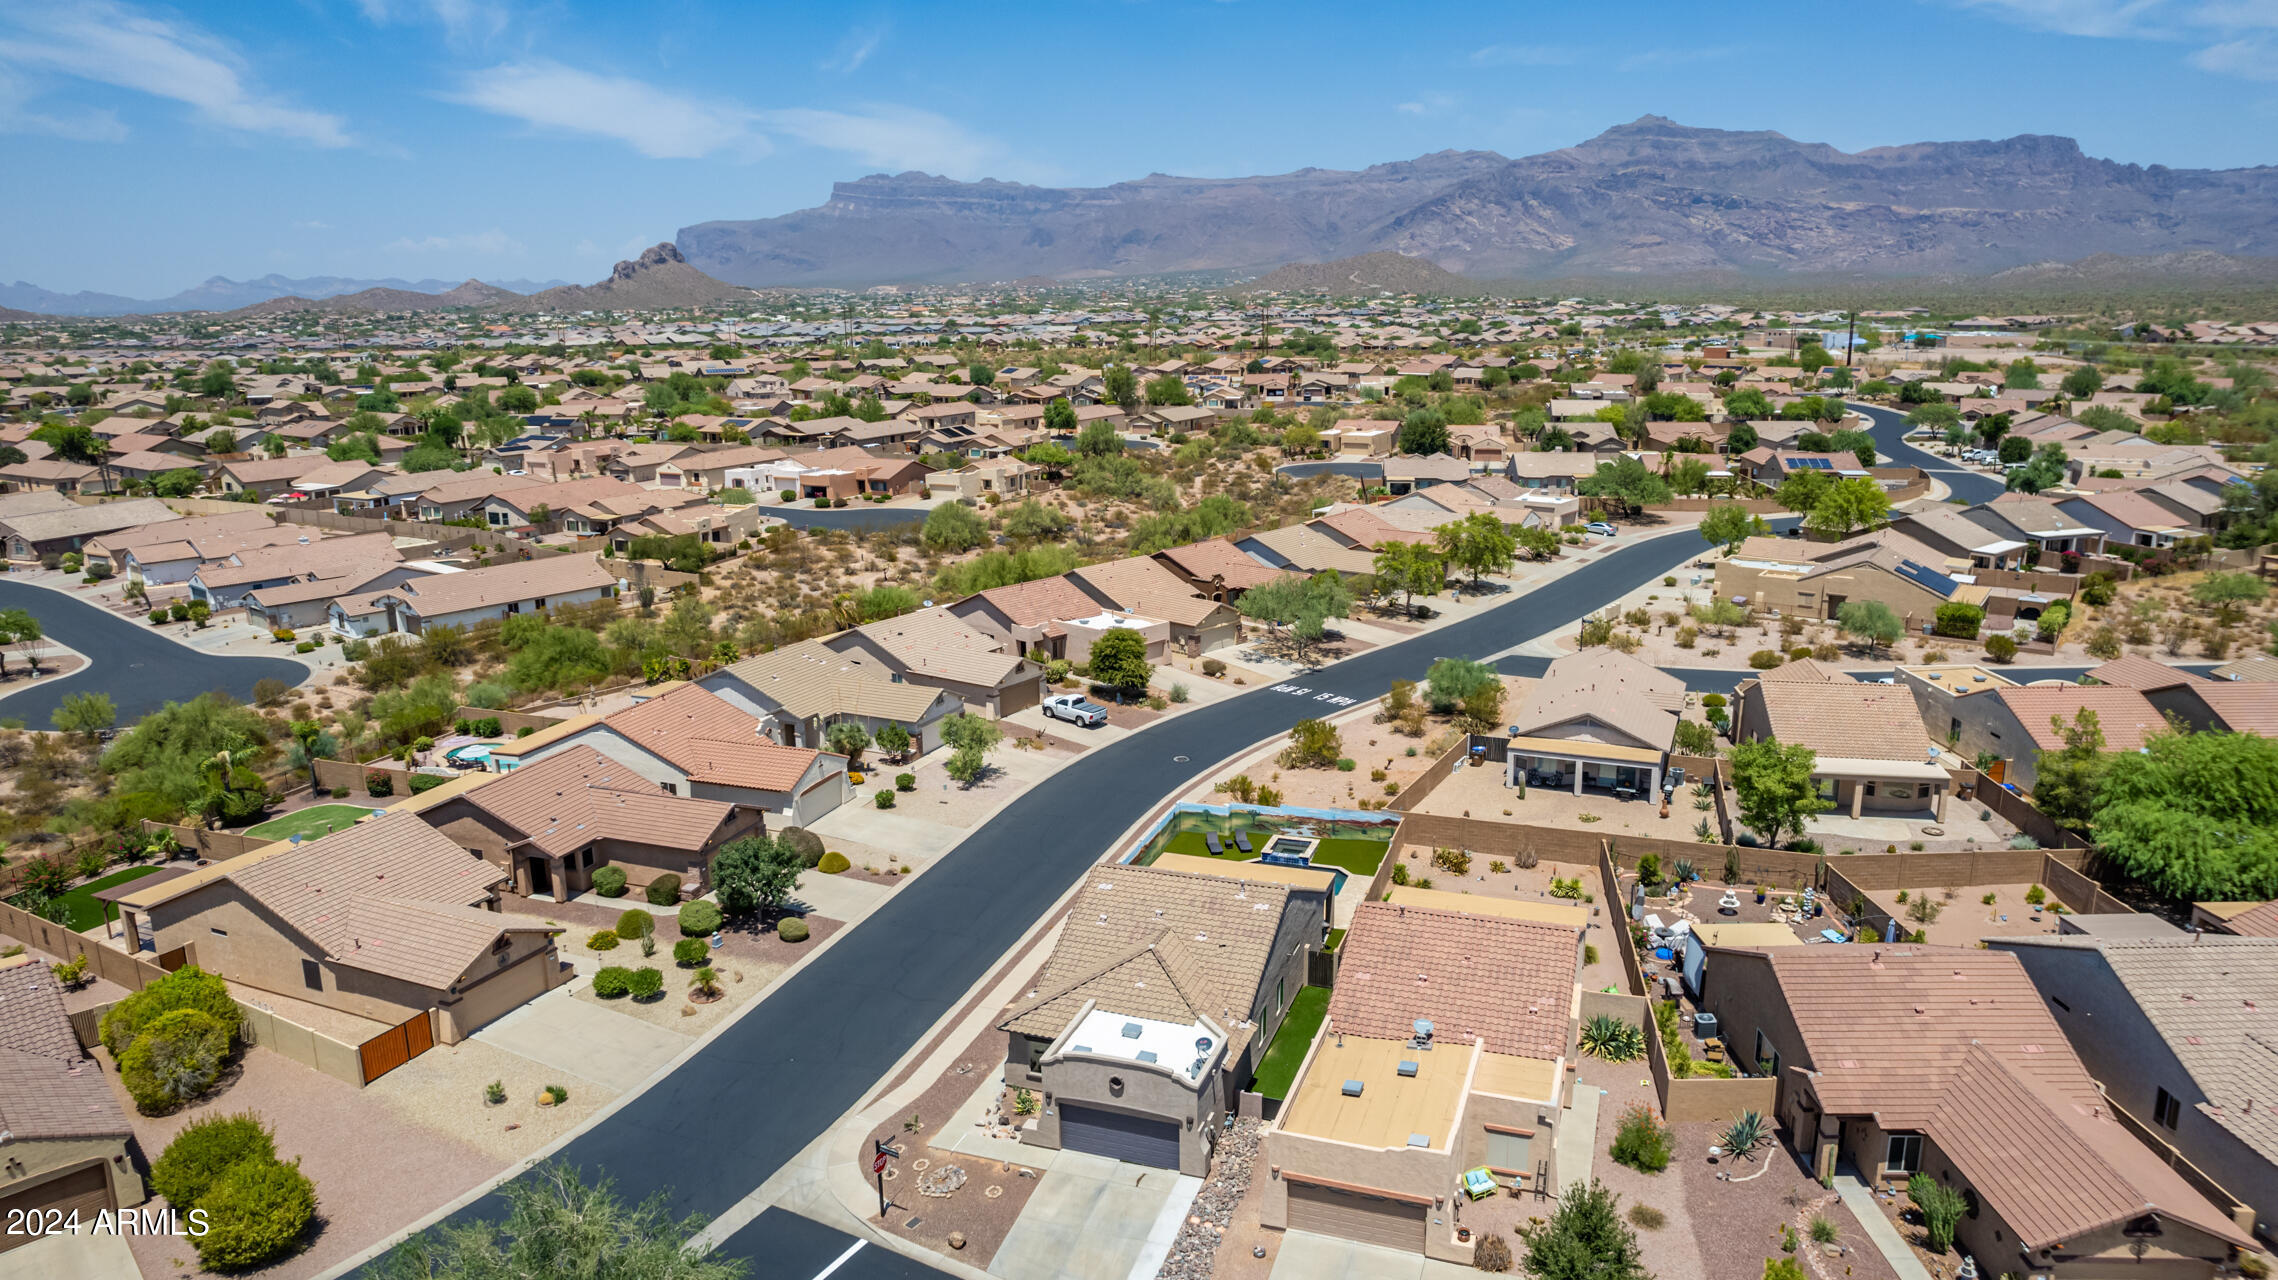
{"x": 1075, "y": 708}
{"x": 1599, "y": 527}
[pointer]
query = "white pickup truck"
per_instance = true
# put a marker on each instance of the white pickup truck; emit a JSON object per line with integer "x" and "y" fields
{"x": 1075, "y": 708}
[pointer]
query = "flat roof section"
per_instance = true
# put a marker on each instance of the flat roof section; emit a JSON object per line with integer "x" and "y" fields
{"x": 1391, "y": 1108}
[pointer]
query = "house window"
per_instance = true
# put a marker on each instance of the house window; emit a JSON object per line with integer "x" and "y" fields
{"x": 312, "y": 975}
{"x": 223, "y": 933}
{"x": 1767, "y": 1056}
{"x": 1904, "y": 1155}
{"x": 589, "y": 857}
{"x": 1036, "y": 1047}
{"x": 1280, "y": 996}
{"x": 2165, "y": 1108}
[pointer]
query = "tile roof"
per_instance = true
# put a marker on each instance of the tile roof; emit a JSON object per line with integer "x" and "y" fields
{"x": 448, "y": 593}
{"x": 1032, "y": 604}
{"x": 571, "y": 797}
{"x": 2258, "y": 921}
{"x": 1629, "y": 696}
{"x": 711, "y": 740}
{"x": 2125, "y": 715}
{"x": 810, "y": 679}
{"x": 1369, "y": 529}
{"x": 1309, "y": 550}
{"x": 2142, "y": 674}
{"x": 1475, "y": 977}
{"x": 2245, "y": 707}
{"x": 1956, "y": 1043}
{"x": 934, "y": 642}
{"x": 1220, "y": 558}
{"x": 390, "y": 896}
{"x": 49, "y": 1087}
{"x": 1157, "y": 944}
{"x": 1845, "y": 718}
{"x": 1144, "y": 585}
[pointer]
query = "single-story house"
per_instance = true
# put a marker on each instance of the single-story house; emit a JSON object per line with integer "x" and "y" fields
{"x": 1872, "y": 755}
{"x": 800, "y": 690}
{"x": 1598, "y": 718}
{"x": 935, "y": 648}
{"x": 478, "y": 595}
{"x": 67, "y": 1146}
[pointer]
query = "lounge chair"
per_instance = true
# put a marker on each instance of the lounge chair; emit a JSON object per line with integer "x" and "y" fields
{"x": 1242, "y": 842}
{"x": 1210, "y": 841}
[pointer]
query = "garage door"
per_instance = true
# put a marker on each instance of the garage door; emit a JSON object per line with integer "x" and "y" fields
{"x": 1356, "y": 1215}
{"x": 1019, "y": 696}
{"x": 86, "y": 1192}
{"x": 1139, "y": 1139}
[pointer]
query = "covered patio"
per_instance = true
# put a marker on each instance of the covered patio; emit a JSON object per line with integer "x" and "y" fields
{"x": 1889, "y": 788}
{"x": 1573, "y": 764}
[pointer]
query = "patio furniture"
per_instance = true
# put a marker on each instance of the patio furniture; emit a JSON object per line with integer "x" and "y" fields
{"x": 1712, "y": 1049}
{"x": 1625, "y": 793}
{"x": 1210, "y": 841}
{"x": 1478, "y": 1184}
{"x": 1833, "y": 935}
{"x": 1242, "y": 842}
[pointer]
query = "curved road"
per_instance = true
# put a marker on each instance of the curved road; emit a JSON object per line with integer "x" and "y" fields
{"x": 138, "y": 668}
{"x": 768, "y": 1085}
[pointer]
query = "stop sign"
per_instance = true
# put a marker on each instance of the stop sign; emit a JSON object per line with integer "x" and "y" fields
{"x": 878, "y": 1163}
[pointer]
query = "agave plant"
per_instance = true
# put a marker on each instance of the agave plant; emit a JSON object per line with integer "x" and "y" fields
{"x": 1685, "y": 871}
{"x": 1612, "y": 1039}
{"x": 1745, "y": 1135}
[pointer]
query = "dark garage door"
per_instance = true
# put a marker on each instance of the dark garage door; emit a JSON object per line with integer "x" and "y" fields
{"x": 86, "y": 1192}
{"x": 1139, "y": 1139}
{"x": 1355, "y": 1215}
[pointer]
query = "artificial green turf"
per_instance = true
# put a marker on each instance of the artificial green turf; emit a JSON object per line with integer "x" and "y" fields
{"x": 1336, "y": 938}
{"x": 1360, "y": 857}
{"x": 85, "y": 912}
{"x": 310, "y": 822}
{"x": 1287, "y": 1052}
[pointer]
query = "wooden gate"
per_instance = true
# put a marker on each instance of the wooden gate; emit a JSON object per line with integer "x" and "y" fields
{"x": 174, "y": 959}
{"x": 396, "y": 1045}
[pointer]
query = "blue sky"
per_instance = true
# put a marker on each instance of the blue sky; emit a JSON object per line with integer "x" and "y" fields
{"x": 150, "y": 147}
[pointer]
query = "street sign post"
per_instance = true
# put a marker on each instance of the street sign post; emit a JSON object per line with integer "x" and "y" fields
{"x": 878, "y": 1163}
{"x": 880, "y": 1155}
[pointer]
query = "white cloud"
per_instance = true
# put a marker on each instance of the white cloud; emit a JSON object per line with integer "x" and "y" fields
{"x": 85, "y": 126}
{"x": 1673, "y": 57}
{"x": 1523, "y": 55}
{"x": 460, "y": 19}
{"x": 888, "y": 137}
{"x": 2106, "y": 18}
{"x": 1429, "y": 103}
{"x": 856, "y": 48}
{"x": 2252, "y": 58}
{"x": 656, "y": 122}
{"x": 2238, "y": 15}
{"x": 115, "y": 45}
{"x": 492, "y": 243}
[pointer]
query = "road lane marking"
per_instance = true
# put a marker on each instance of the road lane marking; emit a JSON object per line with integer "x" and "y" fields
{"x": 851, "y": 1250}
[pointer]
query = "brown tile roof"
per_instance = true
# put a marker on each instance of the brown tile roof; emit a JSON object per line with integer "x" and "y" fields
{"x": 2142, "y": 674}
{"x": 1844, "y": 718}
{"x": 1210, "y": 939}
{"x": 1220, "y": 558}
{"x": 571, "y": 797}
{"x": 2260, "y": 921}
{"x": 1370, "y": 530}
{"x": 711, "y": 740}
{"x": 388, "y": 896}
{"x": 2125, "y": 715}
{"x": 1032, "y": 604}
{"x": 1611, "y": 687}
{"x": 49, "y": 1088}
{"x": 1143, "y": 585}
{"x": 2244, "y": 707}
{"x": 934, "y": 642}
{"x": 1507, "y": 982}
{"x": 448, "y": 593}
{"x": 1956, "y": 1043}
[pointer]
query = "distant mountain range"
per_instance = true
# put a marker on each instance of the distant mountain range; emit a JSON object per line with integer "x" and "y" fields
{"x": 1643, "y": 200}
{"x": 659, "y": 280}
{"x": 224, "y": 294}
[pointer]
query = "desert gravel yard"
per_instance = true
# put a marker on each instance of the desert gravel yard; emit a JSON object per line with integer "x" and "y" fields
{"x": 374, "y": 1169}
{"x": 673, "y": 1011}
{"x": 442, "y": 1090}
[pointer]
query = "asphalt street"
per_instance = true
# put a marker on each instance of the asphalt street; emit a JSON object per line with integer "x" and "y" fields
{"x": 139, "y": 669}
{"x": 766, "y": 1087}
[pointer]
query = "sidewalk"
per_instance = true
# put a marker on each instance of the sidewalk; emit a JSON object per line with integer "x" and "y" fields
{"x": 1861, "y": 1202}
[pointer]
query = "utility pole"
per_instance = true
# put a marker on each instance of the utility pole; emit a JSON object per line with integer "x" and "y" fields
{"x": 1851, "y": 347}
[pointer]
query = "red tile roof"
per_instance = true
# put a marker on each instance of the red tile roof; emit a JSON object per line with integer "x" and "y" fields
{"x": 711, "y": 740}
{"x": 2126, "y": 716}
{"x": 1507, "y": 982}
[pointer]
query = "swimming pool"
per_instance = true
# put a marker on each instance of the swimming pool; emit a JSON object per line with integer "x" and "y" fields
{"x": 471, "y": 753}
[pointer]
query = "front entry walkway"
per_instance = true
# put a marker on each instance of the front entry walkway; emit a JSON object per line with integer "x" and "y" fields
{"x": 1861, "y": 1202}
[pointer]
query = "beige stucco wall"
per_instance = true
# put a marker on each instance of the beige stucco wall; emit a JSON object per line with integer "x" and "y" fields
{"x": 46, "y": 1159}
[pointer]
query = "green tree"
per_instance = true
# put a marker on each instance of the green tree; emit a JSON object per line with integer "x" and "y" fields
{"x": 1409, "y": 569}
{"x": 2083, "y": 382}
{"x": 1450, "y": 681}
{"x": 2194, "y": 816}
{"x": 84, "y": 713}
{"x": 1748, "y": 404}
{"x": 1301, "y": 604}
{"x": 970, "y": 738}
{"x": 980, "y": 375}
{"x": 847, "y": 738}
{"x": 1313, "y": 744}
{"x": 1032, "y": 519}
{"x": 888, "y": 601}
{"x": 1539, "y": 543}
{"x": 518, "y": 399}
{"x": 1871, "y": 621}
{"x": 2226, "y": 592}
{"x": 1424, "y": 431}
{"x": 18, "y": 627}
{"x": 1584, "y": 1239}
{"x": 178, "y": 483}
{"x": 757, "y": 873}
{"x": 1122, "y": 387}
{"x": 221, "y": 440}
{"x": 953, "y": 526}
{"x": 1772, "y": 781}
{"x": 1168, "y": 389}
{"x": 1941, "y": 1207}
{"x": 2022, "y": 375}
{"x": 1098, "y": 439}
{"x": 1119, "y": 660}
{"x": 1728, "y": 524}
{"x": 1627, "y": 482}
{"x": 1480, "y": 543}
{"x": 1849, "y": 506}
{"x": 2046, "y": 470}
{"x": 555, "y": 1225}
{"x": 218, "y": 382}
{"x": 2066, "y": 780}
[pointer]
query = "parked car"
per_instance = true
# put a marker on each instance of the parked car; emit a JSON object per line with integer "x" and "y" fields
{"x": 1075, "y": 708}
{"x": 1599, "y": 527}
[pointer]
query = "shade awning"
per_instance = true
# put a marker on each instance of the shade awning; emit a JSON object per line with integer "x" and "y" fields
{"x": 1895, "y": 770}
{"x": 1583, "y": 750}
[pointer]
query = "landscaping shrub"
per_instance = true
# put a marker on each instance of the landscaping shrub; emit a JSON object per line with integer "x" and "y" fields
{"x": 1492, "y": 1253}
{"x": 609, "y": 882}
{"x": 175, "y": 1058}
{"x": 793, "y": 930}
{"x": 255, "y": 1212}
{"x": 699, "y": 918}
{"x": 422, "y": 782}
{"x": 664, "y": 890}
{"x": 1647, "y": 1217}
{"x": 1764, "y": 659}
{"x": 602, "y": 940}
{"x": 833, "y": 863}
{"x": 1213, "y": 668}
{"x": 378, "y": 782}
{"x": 689, "y": 952}
{"x": 905, "y": 782}
{"x": 1961, "y": 621}
{"x": 188, "y": 987}
{"x": 885, "y": 799}
{"x": 1346, "y": 764}
{"x": 157, "y": 616}
{"x": 612, "y": 982}
{"x": 1642, "y": 1142}
{"x": 633, "y": 922}
{"x": 204, "y": 1151}
{"x": 2000, "y": 648}
{"x": 647, "y": 983}
{"x": 807, "y": 843}
{"x": 1942, "y": 1208}
{"x": 487, "y": 727}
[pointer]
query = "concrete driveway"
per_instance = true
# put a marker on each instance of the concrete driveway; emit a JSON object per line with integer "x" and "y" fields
{"x": 90, "y": 1256}
{"x": 1092, "y": 1218}
{"x": 585, "y": 1039}
{"x": 1306, "y": 1256}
